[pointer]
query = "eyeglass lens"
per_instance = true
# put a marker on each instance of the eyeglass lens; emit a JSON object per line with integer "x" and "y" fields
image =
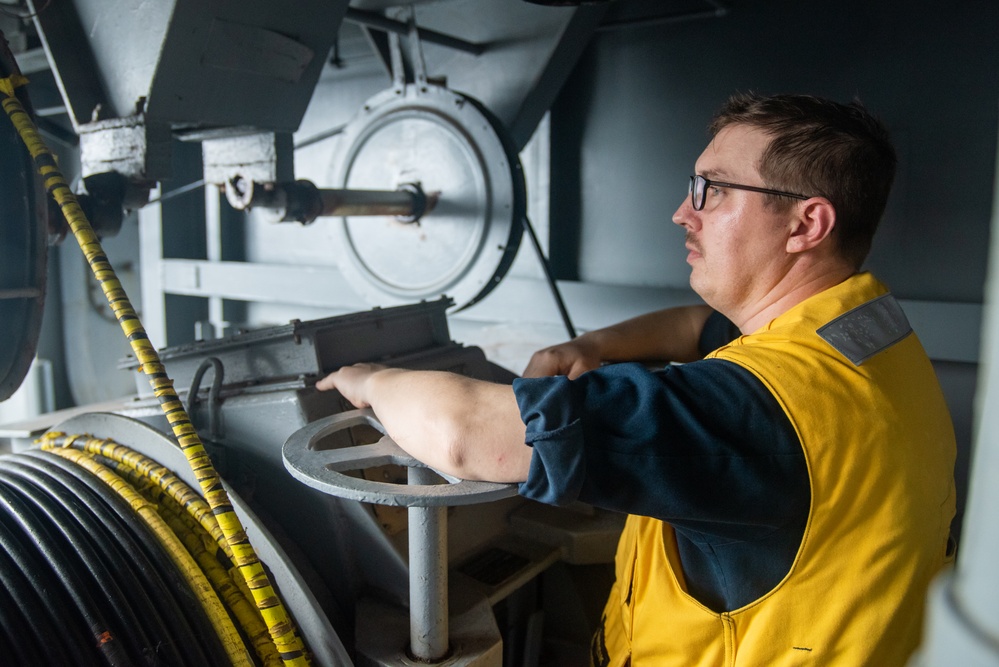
{"x": 697, "y": 189}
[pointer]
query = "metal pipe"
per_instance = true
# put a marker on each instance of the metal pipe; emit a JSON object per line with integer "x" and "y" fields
{"x": 301, "y": 201}
{"x": 379, "y": 22}
{"x": 213, "y": 245}
{"x": 428, "y": 604}
{"x": 368, "y": 202}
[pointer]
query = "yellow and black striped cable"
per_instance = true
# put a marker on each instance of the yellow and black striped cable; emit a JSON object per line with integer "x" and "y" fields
{"x": 282, "y": 633}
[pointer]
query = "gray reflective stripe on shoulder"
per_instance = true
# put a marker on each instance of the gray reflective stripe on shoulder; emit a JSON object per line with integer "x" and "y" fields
{"x": 867, "y": 329}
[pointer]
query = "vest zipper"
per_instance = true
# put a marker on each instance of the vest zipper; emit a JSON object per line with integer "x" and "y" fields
{"x": 729, "y": 631}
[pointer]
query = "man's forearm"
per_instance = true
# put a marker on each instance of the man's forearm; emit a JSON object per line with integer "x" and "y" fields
{"x": 464, "y": 427}
{"x": 664, "y": 335}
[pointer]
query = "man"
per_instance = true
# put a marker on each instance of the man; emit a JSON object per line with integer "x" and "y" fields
{"x": 789, "y": 495}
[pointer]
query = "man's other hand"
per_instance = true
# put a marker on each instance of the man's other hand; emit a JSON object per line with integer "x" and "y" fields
{"x": 571, "y": 359}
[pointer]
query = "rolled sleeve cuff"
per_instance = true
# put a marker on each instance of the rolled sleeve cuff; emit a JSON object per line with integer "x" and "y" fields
{"x": 556, "y": 434}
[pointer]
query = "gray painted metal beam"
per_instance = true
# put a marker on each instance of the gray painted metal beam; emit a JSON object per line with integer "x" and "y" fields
{"x": 560, "y": 64}
{"x": 72, "y": 59}
{"x": 32, "y": 61}
{"x": 949, "y": 331}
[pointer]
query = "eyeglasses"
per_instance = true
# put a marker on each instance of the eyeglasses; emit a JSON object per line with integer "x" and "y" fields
{"x": 699, "y": 185}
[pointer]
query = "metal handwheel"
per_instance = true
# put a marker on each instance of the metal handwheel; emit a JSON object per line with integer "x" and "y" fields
{"x": 324, "y": 469}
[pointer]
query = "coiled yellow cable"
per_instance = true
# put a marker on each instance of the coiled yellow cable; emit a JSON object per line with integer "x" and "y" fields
{"x": 190, "y": 518}
{"x": 162, "y": 478}
{"x": 196, "y": 579}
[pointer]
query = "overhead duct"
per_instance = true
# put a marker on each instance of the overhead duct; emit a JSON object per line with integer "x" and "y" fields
{"x": 188, "y": 64}
{"x": 133, "y": 72}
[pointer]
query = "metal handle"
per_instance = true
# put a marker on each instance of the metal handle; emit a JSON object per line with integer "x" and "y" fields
{"x": 323, "y": 469}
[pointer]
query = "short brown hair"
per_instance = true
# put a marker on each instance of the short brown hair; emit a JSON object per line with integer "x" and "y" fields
{"x": 822, "y": 148}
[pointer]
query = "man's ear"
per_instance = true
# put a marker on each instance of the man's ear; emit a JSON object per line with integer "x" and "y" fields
{"x": 812, "y": 223}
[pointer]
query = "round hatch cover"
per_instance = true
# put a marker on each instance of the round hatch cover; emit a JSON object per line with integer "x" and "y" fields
{"x": 449, "y": 146}
{"x": 23, "y": 253}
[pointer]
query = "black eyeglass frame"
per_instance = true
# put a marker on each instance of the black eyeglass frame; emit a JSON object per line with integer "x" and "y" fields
{"x": 699, "y": 205}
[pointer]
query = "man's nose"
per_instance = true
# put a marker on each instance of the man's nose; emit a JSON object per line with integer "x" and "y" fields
{"x": 685, "y": 215}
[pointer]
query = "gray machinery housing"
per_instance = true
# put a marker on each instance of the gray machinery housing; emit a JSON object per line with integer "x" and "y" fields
{"x": 251, "y": 396}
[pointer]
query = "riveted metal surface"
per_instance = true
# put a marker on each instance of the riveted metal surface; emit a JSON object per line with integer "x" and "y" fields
{"x": 447, "y": 144}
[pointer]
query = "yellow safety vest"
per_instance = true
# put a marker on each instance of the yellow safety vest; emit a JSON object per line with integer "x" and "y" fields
{"x": 880, "y": 450}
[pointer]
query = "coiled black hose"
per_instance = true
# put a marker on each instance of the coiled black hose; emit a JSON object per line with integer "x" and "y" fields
{"x": 57, "y": 565}
{"x": 135, "y": 556}
{"x": 24, "y": 572}
{"x": 25, "y": 606}
{"x": 15, "y": 631}
{"x": 83, "y": 581}
{"x": 165, "y": 584}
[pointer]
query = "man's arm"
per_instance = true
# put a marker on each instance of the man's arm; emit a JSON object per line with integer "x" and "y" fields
{"x": 467, "y": 428}
{"x": 665, "y": 335}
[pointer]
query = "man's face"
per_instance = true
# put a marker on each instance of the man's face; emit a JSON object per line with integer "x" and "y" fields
{"x": 737, "y": 246}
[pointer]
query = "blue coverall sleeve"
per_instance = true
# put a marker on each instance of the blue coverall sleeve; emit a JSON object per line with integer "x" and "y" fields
{"x": 704, "y": 446}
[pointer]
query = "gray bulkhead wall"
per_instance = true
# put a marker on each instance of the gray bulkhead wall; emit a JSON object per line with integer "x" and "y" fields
{"x": 644, "y": 96}
{"x": 632, "y": 119}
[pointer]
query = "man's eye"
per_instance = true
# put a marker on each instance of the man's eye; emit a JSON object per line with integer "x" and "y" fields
{"x": 714, "y": 190}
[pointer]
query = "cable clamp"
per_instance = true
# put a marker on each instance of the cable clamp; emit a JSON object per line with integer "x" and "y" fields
{"x": 48, "y": 439}
{"x": 11, "y": 83}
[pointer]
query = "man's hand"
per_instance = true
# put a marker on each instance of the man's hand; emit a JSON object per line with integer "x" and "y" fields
{"x": 460, "y": 426}
{"x": 665, "y": 335}
{"x": 571, "y": 359}
{"x": 351, "y": 382}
